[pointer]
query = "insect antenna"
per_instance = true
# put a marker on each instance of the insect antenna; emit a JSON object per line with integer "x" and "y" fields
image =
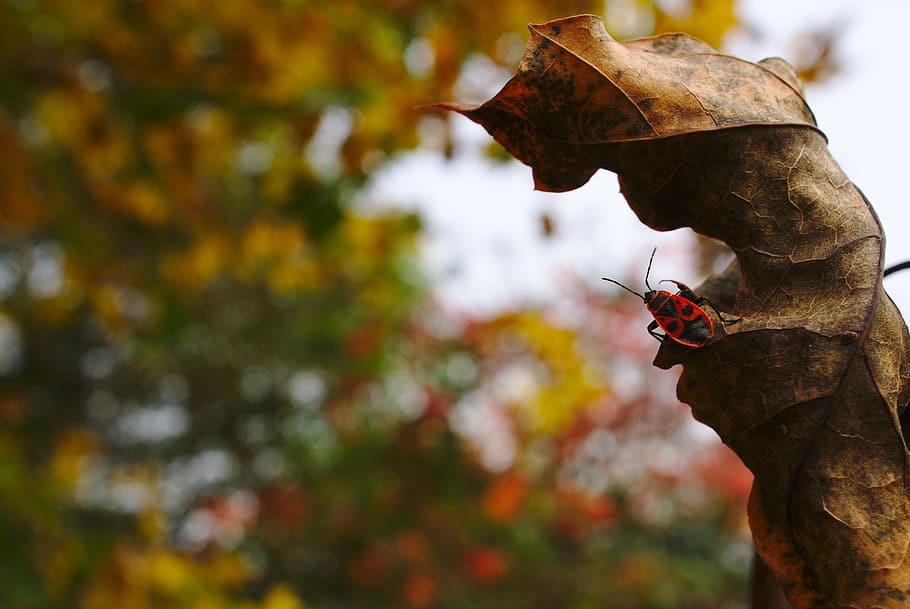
{"x": 623, "y": 287}
{"x": 648, "y": 272}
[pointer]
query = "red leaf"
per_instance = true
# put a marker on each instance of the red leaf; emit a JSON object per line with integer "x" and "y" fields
{"x": 486, "y": 565}
{"x": 504, "y": 499}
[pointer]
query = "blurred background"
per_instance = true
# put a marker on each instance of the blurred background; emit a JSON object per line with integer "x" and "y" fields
{"x": 271, "y": 337}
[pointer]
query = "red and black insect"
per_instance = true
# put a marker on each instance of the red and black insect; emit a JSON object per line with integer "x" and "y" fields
{"x": 678, "y": 315}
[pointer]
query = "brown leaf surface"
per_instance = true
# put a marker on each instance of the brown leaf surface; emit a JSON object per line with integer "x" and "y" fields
{"x": 810, "y": 386}
{"x": 576, "y": 87}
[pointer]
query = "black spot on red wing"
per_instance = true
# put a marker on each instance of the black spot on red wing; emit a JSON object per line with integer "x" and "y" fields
{"x": 671, "y": 325}
{"x": 687, "y": 311}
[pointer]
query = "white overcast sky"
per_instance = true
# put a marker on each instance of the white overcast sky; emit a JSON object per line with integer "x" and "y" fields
{"x": 483, "y": 245}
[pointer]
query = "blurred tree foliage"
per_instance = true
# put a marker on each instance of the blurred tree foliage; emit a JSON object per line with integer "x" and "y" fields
{"x": 221, "y": 386}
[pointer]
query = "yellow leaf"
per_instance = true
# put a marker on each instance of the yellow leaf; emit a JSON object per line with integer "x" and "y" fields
{"x": 70, "y": 455}
{"x": 707, "y": 20}
{"x": 282, "y": 597}
{"x": 168, "y": 572}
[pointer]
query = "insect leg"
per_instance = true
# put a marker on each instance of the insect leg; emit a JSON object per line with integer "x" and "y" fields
{"x": 651, "y": 330}
{"x": 704, "y": 299}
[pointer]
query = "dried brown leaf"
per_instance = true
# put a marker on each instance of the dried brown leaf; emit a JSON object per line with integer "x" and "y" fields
{"x": 809, "y": 387}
